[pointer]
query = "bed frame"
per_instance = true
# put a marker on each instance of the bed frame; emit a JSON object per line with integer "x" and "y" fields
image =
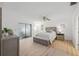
{"x": 42, "y": 41}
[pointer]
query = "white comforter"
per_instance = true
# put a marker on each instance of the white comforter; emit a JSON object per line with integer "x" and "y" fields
{"x": 47, "y": 36}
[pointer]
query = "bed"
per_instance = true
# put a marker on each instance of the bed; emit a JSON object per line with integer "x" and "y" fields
{"x": 46, "y": 38}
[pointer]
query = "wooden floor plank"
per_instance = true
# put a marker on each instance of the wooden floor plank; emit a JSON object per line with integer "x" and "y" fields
{"x": 58, "y": 48}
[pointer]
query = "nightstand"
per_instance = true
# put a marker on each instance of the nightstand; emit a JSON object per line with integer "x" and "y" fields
{"x": 60, "y": 36}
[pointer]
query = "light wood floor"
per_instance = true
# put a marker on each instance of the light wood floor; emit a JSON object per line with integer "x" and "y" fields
{"x": 58, "y": 48}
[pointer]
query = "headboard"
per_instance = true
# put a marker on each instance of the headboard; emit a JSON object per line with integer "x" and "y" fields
{"x": 49, "y": 29}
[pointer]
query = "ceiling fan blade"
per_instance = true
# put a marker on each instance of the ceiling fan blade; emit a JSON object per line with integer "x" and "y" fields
{"x": 48, "y": 19}
{"x": 73, "y": 3}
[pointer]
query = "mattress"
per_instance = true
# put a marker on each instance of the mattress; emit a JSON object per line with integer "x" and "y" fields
{"x": 47, "y": 36}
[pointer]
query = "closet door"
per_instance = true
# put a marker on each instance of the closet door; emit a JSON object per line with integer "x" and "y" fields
{"x": 25, "y": 30}
{"x": 28, "y": 30}
{"x": 0, "y": 27}
{"x": 21, "y": 30}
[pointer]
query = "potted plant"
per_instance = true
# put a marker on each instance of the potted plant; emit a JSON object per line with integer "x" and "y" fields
{"x": 10, "y": 32}
{"x": 7, "y": 32}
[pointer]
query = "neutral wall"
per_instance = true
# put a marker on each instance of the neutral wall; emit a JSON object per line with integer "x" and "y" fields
{"x": 12, "y": 17}
{"x": 59, "y": 13}
{"x": 75, "y": 25}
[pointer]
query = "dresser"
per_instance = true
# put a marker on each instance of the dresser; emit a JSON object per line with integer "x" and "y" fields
{"x": 10, "y": 46}
{"x": 60, "y": 36}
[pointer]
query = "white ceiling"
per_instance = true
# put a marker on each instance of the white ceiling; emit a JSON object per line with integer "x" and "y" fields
{"x": 39, "y": 9}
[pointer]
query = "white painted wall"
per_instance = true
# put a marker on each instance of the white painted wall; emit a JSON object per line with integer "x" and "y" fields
{"x": 59, "y": 13}
{"x": 12, "y": 17}
{"x": 75, "y": 25}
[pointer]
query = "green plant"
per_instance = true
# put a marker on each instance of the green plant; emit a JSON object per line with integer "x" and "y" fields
{"x": 6, "y": 30}
{"x": 9, "y": 29}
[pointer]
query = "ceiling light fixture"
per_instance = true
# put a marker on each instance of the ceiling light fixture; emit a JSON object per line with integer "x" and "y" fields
{"x": 45, "y": 18}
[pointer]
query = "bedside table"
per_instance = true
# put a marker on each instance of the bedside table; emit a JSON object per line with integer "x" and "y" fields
{"x": 60, "y": 36}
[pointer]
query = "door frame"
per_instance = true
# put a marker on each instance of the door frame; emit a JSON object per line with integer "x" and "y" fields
{"x": 76, "y": 32}
{"x": 0, "y": 28}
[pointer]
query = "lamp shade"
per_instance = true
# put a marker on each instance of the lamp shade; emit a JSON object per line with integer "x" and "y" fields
{"x": 60, "y": 28}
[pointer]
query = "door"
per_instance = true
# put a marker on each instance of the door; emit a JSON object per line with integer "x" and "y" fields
{"x": 78, "y": 32}
{"x": 0, "y": 27}
{"x": 25, "y": 30}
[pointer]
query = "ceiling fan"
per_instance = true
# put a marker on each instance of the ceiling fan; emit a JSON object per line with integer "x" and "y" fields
{"x": 73, "y": 3}
{"x": 46, "y": 18}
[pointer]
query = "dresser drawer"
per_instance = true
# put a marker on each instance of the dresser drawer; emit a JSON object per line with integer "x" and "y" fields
{"x": 60, "y": 37}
